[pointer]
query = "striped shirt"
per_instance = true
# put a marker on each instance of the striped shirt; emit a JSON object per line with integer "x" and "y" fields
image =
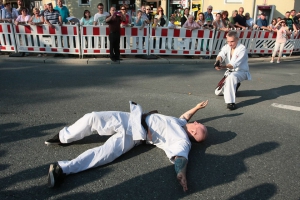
{"x": 52, "y": 17}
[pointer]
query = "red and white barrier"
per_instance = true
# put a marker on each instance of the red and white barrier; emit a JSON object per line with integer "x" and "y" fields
{"x": 246, "y": 38}
{"x": 181, "y": 41}
{"x": 47, "y": 39}
{"x": 295, "y": 39}
{"x": 161, "y": 41}
{"x": 7, "y": 38}
{"x": 95, "y": 40}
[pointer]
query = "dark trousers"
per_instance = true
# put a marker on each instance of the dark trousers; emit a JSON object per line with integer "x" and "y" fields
{"x": 114, "y": 39}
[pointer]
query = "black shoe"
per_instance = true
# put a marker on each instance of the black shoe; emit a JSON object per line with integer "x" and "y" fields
{"x": 237, "y": 87}
{"x": 54, "y": 140}
{"x": 119, "y": 59}
{"x": 231, "y": 106}
{"x": 113, "y": 59}
{"x": 55, "y": 175}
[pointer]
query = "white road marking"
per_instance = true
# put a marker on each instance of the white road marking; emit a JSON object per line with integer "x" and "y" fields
{"x": 277, "y": 105}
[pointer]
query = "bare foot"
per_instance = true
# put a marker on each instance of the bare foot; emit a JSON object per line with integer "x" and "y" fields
{"x": 182, "y": 180}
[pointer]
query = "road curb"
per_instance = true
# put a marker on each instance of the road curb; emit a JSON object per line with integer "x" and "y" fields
{"x": 139, "y": 61}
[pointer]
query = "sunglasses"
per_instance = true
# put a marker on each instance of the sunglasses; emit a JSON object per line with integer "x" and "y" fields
{"x": 148, "y": 9}
{"x": 210, "y": 9}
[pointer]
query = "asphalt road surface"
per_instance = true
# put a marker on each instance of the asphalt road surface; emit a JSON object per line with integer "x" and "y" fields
{"x": 250, "y": 153}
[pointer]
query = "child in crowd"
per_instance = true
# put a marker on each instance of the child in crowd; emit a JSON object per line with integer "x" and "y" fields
{"x": 171, "y": 23}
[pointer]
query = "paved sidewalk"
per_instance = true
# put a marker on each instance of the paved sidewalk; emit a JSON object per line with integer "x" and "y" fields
{"x": 130, "y": 59}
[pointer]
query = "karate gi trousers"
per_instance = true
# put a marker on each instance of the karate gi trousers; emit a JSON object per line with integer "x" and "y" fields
{"x": 105, "y": 123}
{"x": 232, "y": 80}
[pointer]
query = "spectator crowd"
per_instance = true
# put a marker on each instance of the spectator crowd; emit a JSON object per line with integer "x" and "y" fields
{"x": 204, "y": 20}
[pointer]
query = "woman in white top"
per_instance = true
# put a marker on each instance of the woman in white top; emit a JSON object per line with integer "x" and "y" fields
{"x": 36, "y": 18}
{"x": 24, "y": 17}
{"x": 282, "y": 34}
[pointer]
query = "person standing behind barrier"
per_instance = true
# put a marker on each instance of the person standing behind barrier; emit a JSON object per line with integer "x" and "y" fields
{"x": 20, "y": 5}
{"x": 233, "y": 15}
{"x": 201, "y": 19}
{"x": 114, "y": 21}
{"x": 37, "y": 19}
{"x": 282, "y": 33}
{"x": 190, "y": 23}
{"x": 262, "y": 23}
{"x": 272, "y": 27}
{"x": 296, "y": 21}
{"x": 45, "y": 7}
{"x": 225, "y": 20}
{"x": 185, "y": 16}
{"x": 87, "y": 19}
{"x": 218, "y": 23}
{"x": 138, "y": 21}
{"x": 249, "y": 20}
{"x": 236, "y": 58}
{"x": 171, "y": 24}
{"x": 100, "y": 17}
{"x": 289, "y": 22}
{"x": 208, "y": 14}
{"x": 8, "y": 13}
{"x": 63, "y": 10}
{"x": 1, "y": 4}
{"x": 161, "y": 18}
{"x": 52, "y": 16}
{"x": 240, "y": 20}
{"x": 125, "y": 23}
{"x": 24, "y": 17}
{"x": 148, "y": 14}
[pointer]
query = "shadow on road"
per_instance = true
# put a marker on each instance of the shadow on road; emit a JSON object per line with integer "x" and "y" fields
{"x": 267, "y": 94}
{"x": 11, "y": 133}
{"x": 204, "y": 171}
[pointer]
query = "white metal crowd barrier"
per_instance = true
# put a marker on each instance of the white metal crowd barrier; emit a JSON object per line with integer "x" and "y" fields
{"x": 91, "y": 40}
{"x": 7, "y": 38}
{"x": 95, "y": 40}
{"x": 182, "y": 41}
{"x": 47, "y": 39}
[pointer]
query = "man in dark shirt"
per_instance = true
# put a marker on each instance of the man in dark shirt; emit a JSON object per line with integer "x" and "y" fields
{"x": 296, "y": 20}
{"x": 240, "y": 20}
{"x": 114, "y": 21}
{"x": 289, "y": 22}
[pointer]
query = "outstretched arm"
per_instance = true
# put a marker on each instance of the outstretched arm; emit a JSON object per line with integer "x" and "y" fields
{"x": 189, "y": 114}
{"x": 180, "y": 169}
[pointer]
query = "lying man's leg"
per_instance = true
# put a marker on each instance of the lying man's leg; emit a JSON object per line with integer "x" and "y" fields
{"x": 114, "y": 147}
{"x": 102, "y": 122}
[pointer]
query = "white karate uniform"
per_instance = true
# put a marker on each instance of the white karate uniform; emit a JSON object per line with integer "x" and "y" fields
{"x": 239, "y": 61}
{"x": 127, "y": 132}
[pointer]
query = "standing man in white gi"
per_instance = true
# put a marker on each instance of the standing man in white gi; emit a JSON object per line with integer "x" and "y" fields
{"x": 173, "y": 135}
{"x": 236, "y": 58}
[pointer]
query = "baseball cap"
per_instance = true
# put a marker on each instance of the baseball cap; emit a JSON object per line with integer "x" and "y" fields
{"x": 49, "y": 2}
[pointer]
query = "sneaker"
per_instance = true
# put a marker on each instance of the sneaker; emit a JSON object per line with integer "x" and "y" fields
{"x": 237, "y": 87}
{"x": 55, "y": 176}
{"x": 271, "y": 61}
{"x": 278, "y": 61}
{"x": 231, "y": 106}
{"x": 39, "y": 55}
{"x": 54, "y": 140}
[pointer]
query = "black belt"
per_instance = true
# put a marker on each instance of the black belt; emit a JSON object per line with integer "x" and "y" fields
{"x": 143, "y": 121}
